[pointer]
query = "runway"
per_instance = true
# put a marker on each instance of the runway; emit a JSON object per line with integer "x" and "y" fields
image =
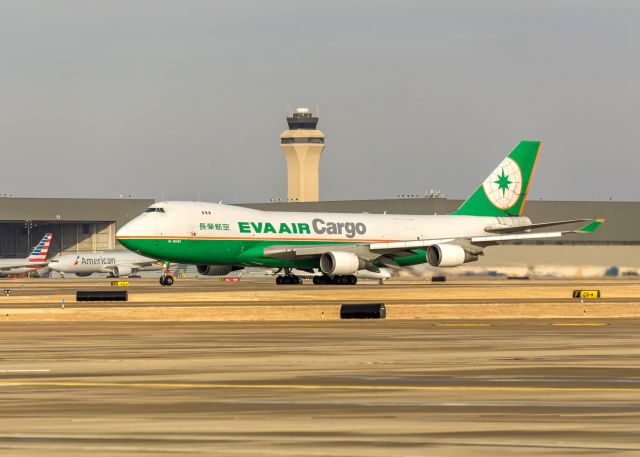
{"x": 365, "y": 388}
{"x": 251, "y": 368}
{"x": 260, "y": 299}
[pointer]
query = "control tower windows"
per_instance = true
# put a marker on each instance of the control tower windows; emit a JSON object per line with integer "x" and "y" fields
{"x": 301, "y": 140}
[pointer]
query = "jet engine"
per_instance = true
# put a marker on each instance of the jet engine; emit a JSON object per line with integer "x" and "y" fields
{"x": 341, "y": 263}
{"x": 216, "y": 270}
{"x": 122, "y": 271}
{"x": 449, "y": 255}
{"x": 83, "y": 275}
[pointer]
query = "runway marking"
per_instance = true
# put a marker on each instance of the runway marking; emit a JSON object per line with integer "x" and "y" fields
{"x": 313, "y": 387}
{"x": 462, "y": 325}
{"x": 580, "y": 324}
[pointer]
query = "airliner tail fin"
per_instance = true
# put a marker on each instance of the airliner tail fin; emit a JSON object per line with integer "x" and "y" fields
{"x": 504, "y": 192}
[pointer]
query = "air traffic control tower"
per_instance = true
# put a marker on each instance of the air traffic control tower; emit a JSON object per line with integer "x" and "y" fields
{"x": 302, "y": 145}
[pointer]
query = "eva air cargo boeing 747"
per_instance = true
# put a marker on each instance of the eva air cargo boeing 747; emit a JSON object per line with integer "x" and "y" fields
{"x": 220, "y": 238}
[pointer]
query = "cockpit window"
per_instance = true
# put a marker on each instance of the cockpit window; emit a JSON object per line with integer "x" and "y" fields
{"x": 154, "y": 210}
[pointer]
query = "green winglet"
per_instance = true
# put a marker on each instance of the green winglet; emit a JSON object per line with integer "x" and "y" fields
{"x": 591, "y": 226}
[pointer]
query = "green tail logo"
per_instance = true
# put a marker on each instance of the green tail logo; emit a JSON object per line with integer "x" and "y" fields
{"x": 504, "y": 192}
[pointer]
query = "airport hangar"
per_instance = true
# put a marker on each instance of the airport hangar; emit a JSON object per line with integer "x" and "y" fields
{"x": 77, "y": 224}
{"x": 84, "y": 224}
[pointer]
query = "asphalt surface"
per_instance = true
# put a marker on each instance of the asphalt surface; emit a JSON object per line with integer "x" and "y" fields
{"x": 261, "y": 283}
{"x": 477, "y": 291}
{"x": 341, "y": 388}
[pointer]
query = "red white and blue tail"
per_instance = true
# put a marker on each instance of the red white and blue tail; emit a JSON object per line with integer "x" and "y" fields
{"x": 40, "y": 250}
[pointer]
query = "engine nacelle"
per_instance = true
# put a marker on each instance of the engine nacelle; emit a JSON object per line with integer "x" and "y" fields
{"x": 83, "y": 275}
{"x": 216, "y": 270}
{"x": 449, "y": 255}
{"x": 122, "y": 271}
{"x": 340, "y": 263}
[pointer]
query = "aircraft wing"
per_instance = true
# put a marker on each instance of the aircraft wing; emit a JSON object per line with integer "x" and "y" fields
{"x": 380, "y": 251}
{"x": 144, "y": 264}
{"x": 485, "y": 240}
{"x": 125, "y": 268}
{"x": 291, "y": 252}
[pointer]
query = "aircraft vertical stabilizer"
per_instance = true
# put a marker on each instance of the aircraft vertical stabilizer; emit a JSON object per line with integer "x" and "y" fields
{"x": 40, "y": 250}
{"x": 505, "y": 190}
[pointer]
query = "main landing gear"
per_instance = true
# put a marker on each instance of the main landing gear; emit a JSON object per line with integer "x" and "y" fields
{"x": 288, "y": 278}
{"x": 342, "y": 280}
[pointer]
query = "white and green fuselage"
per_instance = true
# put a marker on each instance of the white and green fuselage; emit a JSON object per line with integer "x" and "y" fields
{"x": 217, "y": 234}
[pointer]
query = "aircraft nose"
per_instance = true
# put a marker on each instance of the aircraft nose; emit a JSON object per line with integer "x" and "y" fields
{"x": 133, "y": 233}
{"x": 132, "y": 228}
{"x": 123, "y": 231}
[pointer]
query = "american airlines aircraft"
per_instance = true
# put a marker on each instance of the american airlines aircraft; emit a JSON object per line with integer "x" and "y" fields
{"x": 36, "y": 260}
{"x": 116, "y": 263}
{"x": 220, "y": 238}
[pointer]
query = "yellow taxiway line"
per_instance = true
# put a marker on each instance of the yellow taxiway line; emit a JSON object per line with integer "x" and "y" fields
{"x": 160, "y": 385}
{"x": 580, "y": 324}
{"x": 462, "y": 324}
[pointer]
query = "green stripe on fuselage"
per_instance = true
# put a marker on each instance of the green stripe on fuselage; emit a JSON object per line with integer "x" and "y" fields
{"x": 197, "y": 251}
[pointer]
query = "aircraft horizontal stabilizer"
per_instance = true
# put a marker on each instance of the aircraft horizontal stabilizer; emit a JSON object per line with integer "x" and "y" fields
{"x": 22, "y": 265}
{"x": 522, "y": 228}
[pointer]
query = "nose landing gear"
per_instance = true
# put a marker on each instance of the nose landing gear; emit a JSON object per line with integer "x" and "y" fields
{"x": 167, "y": 278}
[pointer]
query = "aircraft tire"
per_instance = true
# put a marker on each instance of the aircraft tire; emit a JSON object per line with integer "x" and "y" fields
{"x": 166, "y": 280}
{"x": 352, "y": 280}
{"x": 288, "y": 279}
{"x": 324, "y": 280}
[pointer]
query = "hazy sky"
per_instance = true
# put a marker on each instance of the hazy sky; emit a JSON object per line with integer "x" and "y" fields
{"x": 171, "y": 99}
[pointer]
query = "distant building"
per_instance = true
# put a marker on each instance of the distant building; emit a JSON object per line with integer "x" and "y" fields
{"x": 302, "y": 146}
{"x": 77, "y": 224}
